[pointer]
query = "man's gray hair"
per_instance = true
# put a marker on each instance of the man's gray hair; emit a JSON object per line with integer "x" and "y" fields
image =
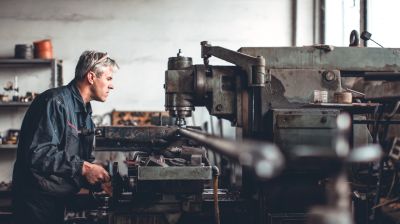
{"x": 93, "y": 61}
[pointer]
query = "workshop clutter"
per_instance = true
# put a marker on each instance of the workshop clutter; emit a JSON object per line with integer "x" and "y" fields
{"x": 140, "y": 118}
{"x": 320, "y": 96}
{"x": 341, "y": 97}
{"x": 24, "y": 51}
{"x": 28, "y": 97}
{"x": 42, "y": 49}
{"x": 11, "y": 138}
{"x": 12, "y": 93}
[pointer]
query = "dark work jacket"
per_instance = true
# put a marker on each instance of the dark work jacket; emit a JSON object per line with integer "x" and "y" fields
{"x": 51, "y": 149}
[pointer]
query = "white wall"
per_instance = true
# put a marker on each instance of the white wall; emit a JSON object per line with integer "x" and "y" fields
{"x": 383, "y": 23}
{"x": 141, "y": 35}
{"x": 304, "y": 23}
{"x": 342, "y": 16}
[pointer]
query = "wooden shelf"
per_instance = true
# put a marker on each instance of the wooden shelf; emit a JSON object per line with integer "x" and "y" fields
{"x": 8, "y": 146}
{"x": 12, "y": 62}
{"x": 14, "y": 104}
{"x": 55, "y": 66}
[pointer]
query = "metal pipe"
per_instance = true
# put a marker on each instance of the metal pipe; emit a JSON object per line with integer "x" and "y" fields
{"x": 394, "y": 111}
{"x": 215, "y": 171}
{"x": 255, "y": 112}
{"x": 315, "y": 21}
{"x": 322, "y": 16}
{"x": 221, "y": 128}
{"x": 264, "y": 158}
{"x": 294, "y": 21}
{"x": 253, "y": 66}
{"x": 364, "y": 18}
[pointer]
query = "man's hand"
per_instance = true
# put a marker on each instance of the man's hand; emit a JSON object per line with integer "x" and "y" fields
{"x": 107, "y": 187}
{"x": 94, "y": 173}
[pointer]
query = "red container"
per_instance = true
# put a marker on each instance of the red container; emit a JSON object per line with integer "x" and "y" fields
{"x": 43, "y": 49}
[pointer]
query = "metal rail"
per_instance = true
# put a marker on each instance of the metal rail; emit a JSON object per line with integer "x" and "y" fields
{"x": 264, "y": 158}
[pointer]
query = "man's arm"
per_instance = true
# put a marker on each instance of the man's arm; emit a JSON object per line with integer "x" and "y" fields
{"x": 46, "y": 156}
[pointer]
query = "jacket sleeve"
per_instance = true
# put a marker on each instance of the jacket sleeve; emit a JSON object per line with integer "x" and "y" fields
{"x": 46, "y": 153}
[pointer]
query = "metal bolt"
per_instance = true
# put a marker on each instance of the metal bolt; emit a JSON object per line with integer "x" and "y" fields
{"x": 329, "y": 75}
{"x": 98, "y": 132}
{"x": 218, "y": 107}
{"x": 179, "y": 54}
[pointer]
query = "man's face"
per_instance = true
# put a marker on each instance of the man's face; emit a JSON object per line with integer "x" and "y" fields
{"x": 102, "y": 85}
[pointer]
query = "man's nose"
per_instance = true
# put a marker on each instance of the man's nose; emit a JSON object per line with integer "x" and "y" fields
{"x": 111, "y": 86}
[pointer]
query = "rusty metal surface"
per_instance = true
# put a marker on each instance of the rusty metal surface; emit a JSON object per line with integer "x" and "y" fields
{"x": 174, "y": 173}
{"x": 133, "y": 138}
{"x": 264, "y": 158}
{"x": 301, "y": 121}
{"x": 296, "y": 86}
{"x": 353, "y": 108}
{"x": 179, "y": 62}
{"x": 253, "y": 65}
{"x": 222, "y": 86}
{"x": 341, "y": 58}
{"x": 138, "y": 219}
{"x": 383, "y": 90}
{"x": 137, "y": 134}
{"x": 281, "y": 111}
{"x": 140, "y": 118}
{"x": 308, "y": 127}
{"x": 179, "y": 81}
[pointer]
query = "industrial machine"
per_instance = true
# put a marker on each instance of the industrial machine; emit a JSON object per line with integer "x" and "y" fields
{"x": 269, "y": 95}
{"x": 304, "y": 156}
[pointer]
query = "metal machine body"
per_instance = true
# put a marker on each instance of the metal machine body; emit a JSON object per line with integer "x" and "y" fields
{"x": 161, "y": 177}
{"x": 290, "y": 74}
{"x": 165, "y": 176}
{"x": 268, "y": 96}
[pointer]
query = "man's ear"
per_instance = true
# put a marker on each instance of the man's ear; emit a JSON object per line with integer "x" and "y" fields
{"x": 90, "y": 77}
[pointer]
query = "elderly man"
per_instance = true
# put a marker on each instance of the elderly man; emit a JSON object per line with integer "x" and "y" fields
{"x": 56, "y": 141}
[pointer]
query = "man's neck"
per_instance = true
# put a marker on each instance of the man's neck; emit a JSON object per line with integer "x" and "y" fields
{"x": 84, "y": 90}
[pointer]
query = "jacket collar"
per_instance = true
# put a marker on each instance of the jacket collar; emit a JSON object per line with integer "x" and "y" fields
{"x": 79, "y": 105}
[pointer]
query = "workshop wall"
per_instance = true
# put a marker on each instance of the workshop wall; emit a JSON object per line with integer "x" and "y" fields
{"x": 141, "y": 35}
{"x": 383, "y": 23}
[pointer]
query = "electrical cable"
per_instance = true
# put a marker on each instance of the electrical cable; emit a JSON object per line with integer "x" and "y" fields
{"x": 396, "y": 107}
{"x": 394, "y": 180}
{"x": 382, "y": 138}
{"x": 378, "y": 112}
{"x": 215, "y": 155}
{"x": 215, "y": 193}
